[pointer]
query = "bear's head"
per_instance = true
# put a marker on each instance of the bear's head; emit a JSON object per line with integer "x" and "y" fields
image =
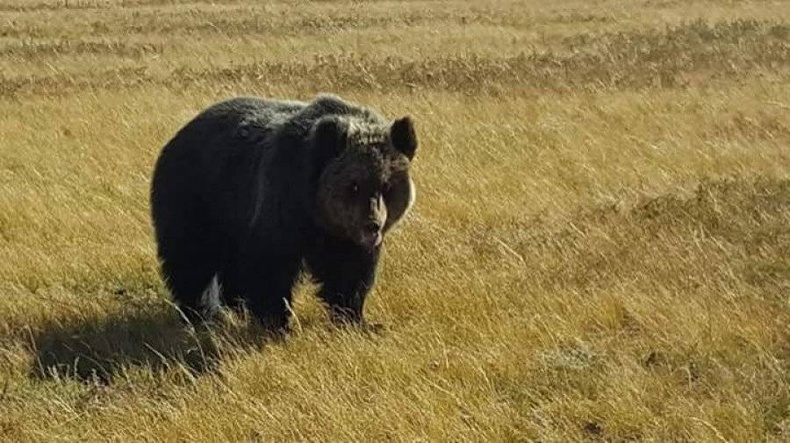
{"x": 363, "y": 187}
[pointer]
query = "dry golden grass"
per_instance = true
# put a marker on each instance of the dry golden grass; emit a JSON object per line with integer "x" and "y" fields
{"x": 600, "y": 249}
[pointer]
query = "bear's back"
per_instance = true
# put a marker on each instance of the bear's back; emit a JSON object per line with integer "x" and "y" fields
{"x": 255, "y": 119}
{"x": 245, "y": 115}
{"x": 299, "y": 124}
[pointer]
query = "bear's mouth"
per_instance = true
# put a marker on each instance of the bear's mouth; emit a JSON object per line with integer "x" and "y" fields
{"x": 370, "y": 240}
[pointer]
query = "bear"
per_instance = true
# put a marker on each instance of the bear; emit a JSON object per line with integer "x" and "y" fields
{"x": 253, "y": 191}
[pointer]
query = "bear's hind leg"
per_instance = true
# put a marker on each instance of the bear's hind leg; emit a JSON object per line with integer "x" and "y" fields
{"x": 192, "y": 283}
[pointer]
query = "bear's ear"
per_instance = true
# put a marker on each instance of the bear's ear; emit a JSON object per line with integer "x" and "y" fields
{"x": 403, "y": 136}
{"x": 329, "y": 139}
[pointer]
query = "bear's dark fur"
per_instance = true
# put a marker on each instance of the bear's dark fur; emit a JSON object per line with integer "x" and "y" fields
{"x": 252, "y": 190}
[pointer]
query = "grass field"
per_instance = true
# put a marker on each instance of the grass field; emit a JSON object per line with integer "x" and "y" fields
{"x": 600, "y": 248}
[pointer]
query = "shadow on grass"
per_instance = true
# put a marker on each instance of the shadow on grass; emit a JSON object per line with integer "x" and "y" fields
{"x": 97, "y": 350}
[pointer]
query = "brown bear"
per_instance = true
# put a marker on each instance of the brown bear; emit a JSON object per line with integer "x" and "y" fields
{"x": 252, "y": 191}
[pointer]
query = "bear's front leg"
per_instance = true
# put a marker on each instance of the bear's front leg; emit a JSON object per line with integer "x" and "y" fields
{"x": 265, "y": 284}
{"x": 346, "y": 302}
{"x": 346, "y": 279}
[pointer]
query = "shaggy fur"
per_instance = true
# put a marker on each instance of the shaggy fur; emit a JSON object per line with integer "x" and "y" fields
{"x": 252, "y": 189}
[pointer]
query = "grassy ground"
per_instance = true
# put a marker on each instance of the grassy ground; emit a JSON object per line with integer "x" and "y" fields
{"x": 600, "y": 248}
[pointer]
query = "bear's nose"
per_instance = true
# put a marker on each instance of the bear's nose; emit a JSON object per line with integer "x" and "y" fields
{"x": 372, "y": 227}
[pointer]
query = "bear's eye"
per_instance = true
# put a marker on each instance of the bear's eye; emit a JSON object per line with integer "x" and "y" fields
{"x": 353, "y": 188}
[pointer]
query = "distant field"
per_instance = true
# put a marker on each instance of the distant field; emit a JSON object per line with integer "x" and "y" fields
{"x": 600, "y": 248}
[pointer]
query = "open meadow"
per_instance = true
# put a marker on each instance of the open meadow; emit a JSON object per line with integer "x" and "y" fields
{"x": 600, "y": 247}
